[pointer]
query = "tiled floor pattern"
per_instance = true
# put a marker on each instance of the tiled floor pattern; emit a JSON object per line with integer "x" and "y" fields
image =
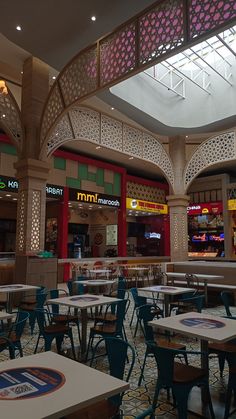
{"x": 137, "y": 398}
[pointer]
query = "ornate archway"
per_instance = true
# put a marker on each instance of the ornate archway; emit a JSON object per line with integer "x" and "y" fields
{"x": 10, "y": 120}
{"x": 217, "y": 149}
{"x": 93, "y": 126}
{"x": 158, "y": 32}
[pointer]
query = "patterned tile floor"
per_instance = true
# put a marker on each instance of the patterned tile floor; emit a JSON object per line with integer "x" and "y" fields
{"x": 137, "y": 398}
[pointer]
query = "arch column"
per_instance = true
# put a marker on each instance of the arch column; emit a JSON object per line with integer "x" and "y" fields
{"x": 178, "y": 227}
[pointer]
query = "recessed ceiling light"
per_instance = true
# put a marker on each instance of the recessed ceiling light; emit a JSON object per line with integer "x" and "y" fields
{"x": 99, "y": 207}
{"x": 8, "y": 194}
{"x": 131, "y": 158}
{"x": 18, "y": 28}
{"x": 93, "y": 18}
{"x": 3, "y": 115}
{"x": 0, "y": 197}
{"x": 14, "y": 199}
{"x": 21, "y": 72}
{"x": 112, "y": 108}
{"x": 186, "y": 136}
{"x": 54, "y": 77}
{"x": 98, "y": 147}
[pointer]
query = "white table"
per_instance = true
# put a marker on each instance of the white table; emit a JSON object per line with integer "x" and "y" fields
{"x": 95, "y": 272}
{"x": 97, "y": 283}
{"x": 76, "y": 386}
{"x": 83, "y": 302}
{"x": 137, "y": 270}
{"x": 205, "y": 278}
{"x": 167, "y": 291}
{"x": 10, "y": 289}
{"x": 199, "y": 325}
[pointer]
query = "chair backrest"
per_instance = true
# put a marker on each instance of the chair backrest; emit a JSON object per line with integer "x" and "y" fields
{"x": 75, "y": 288}
{"x": 165, "y": 363}
{"x": 117, "y": 352}
{"x": 120, "y": 313}
{"x": 228, "y": 300}
{"x": 41, "y": 315}
{"x": 7, "y": 343}
{"x": 56, "y": 293}
{"x": 197, "y": 301}
{"x": 192, "y": 282}
{"x": 18, "y": 326}
{"x": 146, "y": 313}
{"x": 41, "y": 295}
{"x": 138, "y": 299}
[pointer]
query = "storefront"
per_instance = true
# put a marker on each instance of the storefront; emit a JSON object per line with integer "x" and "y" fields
{"x": 8, "y": 213}
{"x": 92, "y": 224}
{"x": 206, "y": 230}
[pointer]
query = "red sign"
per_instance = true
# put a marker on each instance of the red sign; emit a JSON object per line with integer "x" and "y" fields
{"x": 209, "y": 208}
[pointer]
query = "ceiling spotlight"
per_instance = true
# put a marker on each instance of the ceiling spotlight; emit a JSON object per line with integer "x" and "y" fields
{"x": 54, "y": 77}
{"x": 186, "y": 136}
{"x": 98, "y": 147}
{"x": 18, "y": 28}
{"x": 21, "y": 72}
{"x": 3, "y": 115}
{"x": 131, "y": 158}
{"x": 14, "y": 199}
{"x": 93, "y": 18}
{"x": 112, "y": 108}
{"x": 8, "y": 194}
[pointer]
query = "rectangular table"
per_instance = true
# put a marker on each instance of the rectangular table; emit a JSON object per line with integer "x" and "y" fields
{"x": 167, "y": 291}
{"x": 199, "y": 325}
{"x": 96, "y": 283}
{"x": 53, "y": 386}
{"x": 10, "y": 289}
{"x": 201, "y": 277}
{"x": 83, "y": 302}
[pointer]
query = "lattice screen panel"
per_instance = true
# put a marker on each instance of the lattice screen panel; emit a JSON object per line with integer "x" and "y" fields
{"x": 21, "y": 222}
{"x": 35, "y": 221}
{"x": 10, "y": 118}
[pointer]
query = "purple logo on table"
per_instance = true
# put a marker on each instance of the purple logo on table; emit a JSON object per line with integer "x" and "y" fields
{"x": 202, "y": 323}
{"x": 29, "y": 382}
{"x": 13, "y": 287}
{"x": 86, "y": 299}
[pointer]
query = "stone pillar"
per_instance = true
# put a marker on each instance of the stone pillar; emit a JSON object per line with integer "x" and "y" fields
{"x": 32, "y": 175}
{"x": 178, "y": 227}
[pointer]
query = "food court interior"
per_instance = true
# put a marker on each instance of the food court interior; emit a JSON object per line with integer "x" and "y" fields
{"x": 118, "y": 209}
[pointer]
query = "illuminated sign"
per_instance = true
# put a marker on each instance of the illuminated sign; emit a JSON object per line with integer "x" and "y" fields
{"x": 146, "y": 206}
{"x": 94, "y": 198}
{"x": 232, "y": 204}
{"x": 205, "y": 208}
{"x": 10, "y": 184}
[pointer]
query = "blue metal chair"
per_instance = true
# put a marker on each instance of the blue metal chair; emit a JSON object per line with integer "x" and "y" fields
{"x": 57, "y": 317}
{"x": 49, "y": 332}
{"x": 146, "y": 314}
{"x": 193, "y": 303}
{"x": 75, "y": 288}
{"x": 33, "y": 304}
{"x": 179, "y": 378}
{"x": 228, "y": 301}
{"x": 112, "y": 329}
{"x": 117, "y": 351}
{"x": 16, "y": 330}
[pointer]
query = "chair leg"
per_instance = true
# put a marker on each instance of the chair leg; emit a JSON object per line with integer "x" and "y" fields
{"x": 228, "y": 401}
{"x": 37, "y": 343}
{"x": 182, "y": 403}
{"x": 72, "y": 344}
{"x": 212, "y": 413}
{"x": 142, "y": 369}
{"x": 48, "y": 343}
{"x": 132, "y": 317}
{"x": 59, "y": 340}
{"x": 90, "y": 344}
{"x": 32, "y": 319}
{"x": 221, "y": 359}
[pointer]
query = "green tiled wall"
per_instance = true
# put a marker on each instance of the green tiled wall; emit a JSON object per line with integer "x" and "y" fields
{"x": 59, "y": 163}
{"x": 108, "y": 188}
{"x": 73, "y": 183}
{"x": 8, "y": 149}
{"x": 100, "y": 177}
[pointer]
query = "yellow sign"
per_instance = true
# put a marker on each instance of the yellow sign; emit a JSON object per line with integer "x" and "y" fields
{"x": 231, "y": 204}
{"x": 87, "y": 197}
{"x": 146, "y": 206}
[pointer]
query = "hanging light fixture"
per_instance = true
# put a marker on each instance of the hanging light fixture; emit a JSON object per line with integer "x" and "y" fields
{"x": 3, "y": 88}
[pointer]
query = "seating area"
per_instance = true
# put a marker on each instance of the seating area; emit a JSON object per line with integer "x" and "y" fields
{"x": 165, "y": 370}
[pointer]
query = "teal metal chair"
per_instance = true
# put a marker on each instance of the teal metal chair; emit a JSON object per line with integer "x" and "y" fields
{"x": 49, "y": 332}
{"x": 231, "y": 388}
{"x": 146, "y": 314}
{"x": 147, "y": 413}
{"x": 36, "y": 302}
{"x": 16, "y": 330}
{"x": 193, "y": 303}
{"x": 57, "y": 317}
{"x": 74, "y": 288}
{"x": 117, "y": 351}
{"x": 112, "y": 329}
{"x": 179, "y": 378}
